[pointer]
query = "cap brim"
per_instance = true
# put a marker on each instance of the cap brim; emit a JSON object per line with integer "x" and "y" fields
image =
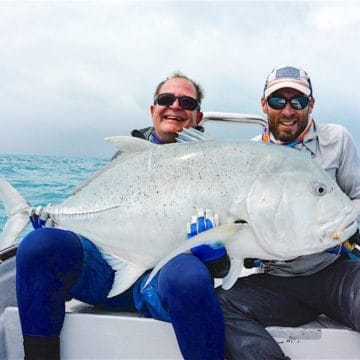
{"x": 290, "y": 84}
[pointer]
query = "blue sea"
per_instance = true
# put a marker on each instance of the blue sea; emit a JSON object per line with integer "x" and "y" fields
{"x": 43, "y": 180}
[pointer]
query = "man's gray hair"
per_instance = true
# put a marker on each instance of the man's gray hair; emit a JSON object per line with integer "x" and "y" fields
{"x": 179, "y": 75}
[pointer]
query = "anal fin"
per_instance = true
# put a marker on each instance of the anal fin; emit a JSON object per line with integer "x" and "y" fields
{"x": 126, "y": 274}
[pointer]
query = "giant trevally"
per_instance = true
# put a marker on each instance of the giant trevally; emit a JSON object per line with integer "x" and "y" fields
{"x": 273, "y": 203}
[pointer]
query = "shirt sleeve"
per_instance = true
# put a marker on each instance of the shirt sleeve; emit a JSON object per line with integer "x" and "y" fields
{"x": 348, "y": 174}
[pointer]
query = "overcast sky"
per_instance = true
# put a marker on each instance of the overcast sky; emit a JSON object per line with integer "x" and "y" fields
{"x": 73, "y": 73}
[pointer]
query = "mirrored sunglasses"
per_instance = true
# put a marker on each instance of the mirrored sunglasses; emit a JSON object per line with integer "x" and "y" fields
{"x": 296, "y": 103}
{"x": 186, "y": 102}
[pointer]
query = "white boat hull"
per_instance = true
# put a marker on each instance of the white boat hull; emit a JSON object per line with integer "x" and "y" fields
{"x": 90, "y": 333}
{"x": 93, "y": 334}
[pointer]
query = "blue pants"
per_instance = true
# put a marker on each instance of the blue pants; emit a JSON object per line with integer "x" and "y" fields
{"x": 55, "y": 265}
{"x": 262, "y": 300}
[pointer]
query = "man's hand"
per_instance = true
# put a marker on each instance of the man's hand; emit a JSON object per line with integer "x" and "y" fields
{"x": 205, "y": 220}
{"x": 40, "y": 218}
{"x": 214, "y": 256}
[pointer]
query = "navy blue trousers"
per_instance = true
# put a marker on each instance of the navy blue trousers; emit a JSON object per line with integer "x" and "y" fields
{"x": 55, "y": 265}
{"x": 262, "y": 300}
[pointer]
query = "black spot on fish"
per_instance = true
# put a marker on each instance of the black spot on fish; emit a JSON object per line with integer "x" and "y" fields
{"x": 240, "y": 221}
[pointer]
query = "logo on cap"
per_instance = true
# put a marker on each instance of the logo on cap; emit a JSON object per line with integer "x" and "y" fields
{"x": 288, "y": 77}
{"x": 288, "y": 72}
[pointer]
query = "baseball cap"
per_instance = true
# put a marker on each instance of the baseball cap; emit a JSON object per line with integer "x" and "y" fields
{"x": 288, "y": 77}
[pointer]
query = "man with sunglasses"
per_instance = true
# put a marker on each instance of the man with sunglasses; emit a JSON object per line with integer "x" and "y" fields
{"x": 192, "y": 308}
{"x": 292, "y": 293}
{"x": 172, "y": 110}
{"x": 55, "y": 265}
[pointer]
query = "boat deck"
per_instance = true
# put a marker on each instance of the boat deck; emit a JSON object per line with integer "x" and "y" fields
{"x": 90, "y": 333}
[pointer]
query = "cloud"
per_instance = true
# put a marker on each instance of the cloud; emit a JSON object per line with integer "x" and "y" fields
{"x": 339, "y": 16}
{"x": 76, "y": 72}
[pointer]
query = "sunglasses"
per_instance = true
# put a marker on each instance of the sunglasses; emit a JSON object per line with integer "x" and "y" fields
{"x": 186, "y": 102}
{"x": 296, "y": 103}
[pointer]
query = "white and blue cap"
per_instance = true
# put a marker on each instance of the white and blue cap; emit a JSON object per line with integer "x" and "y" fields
{"x": 288, "y": 77}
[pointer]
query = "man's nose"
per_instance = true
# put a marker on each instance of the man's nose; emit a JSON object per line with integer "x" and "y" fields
{"x": 176, "y": 104}
{"x": 288, "y": 110}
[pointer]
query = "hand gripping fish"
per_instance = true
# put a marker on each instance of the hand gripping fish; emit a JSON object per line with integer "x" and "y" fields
{"x": 273, "y": 202}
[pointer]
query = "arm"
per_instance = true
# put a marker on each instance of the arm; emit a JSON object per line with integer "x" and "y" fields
{"x": 348, "y": 173}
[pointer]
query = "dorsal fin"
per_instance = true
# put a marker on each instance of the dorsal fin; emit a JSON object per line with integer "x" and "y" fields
{"x": 129, "y": 144}
{"x": 192, "y": 135}
{"x": 126, "y": 145}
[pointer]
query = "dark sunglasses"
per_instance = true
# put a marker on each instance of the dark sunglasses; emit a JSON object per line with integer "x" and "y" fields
{"x": 297, "y": 102}
{"x": 186, "y": 102}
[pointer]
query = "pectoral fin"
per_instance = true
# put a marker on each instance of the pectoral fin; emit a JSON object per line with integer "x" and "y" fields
{"x": 223, "y": 234}
{"x": 233, "y": 274}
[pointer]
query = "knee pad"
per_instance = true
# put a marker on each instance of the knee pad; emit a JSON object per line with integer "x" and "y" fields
{"x": 50, "y": 250}
{"x": 184, "y": 275}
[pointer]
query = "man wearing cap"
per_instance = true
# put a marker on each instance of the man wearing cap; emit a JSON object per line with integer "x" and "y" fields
{"x": 291, "y": 293}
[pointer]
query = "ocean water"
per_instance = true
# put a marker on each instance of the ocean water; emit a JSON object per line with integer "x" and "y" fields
{"x": 43, "y": 180}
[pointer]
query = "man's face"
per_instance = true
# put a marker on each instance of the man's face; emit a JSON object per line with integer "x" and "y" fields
{"x": 170, "y": 119}
{"x": 287, "y": 124}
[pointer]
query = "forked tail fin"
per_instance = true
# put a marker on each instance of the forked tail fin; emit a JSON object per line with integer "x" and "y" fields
{"x": 17, "y": 210}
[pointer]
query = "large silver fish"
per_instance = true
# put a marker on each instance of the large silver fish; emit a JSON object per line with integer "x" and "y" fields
{"x": 136, "y": 208}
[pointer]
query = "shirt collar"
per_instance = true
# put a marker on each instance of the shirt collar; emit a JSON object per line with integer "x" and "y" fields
{"x": 153, "y": 138}
{"x": 309, "y": 139}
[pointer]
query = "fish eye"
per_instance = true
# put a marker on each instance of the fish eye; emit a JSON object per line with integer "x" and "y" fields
{"x": 319, "y": 189}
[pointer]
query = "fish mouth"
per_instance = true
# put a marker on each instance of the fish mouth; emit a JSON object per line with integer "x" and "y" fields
{"x": 345, "y": 233}
{"x": 342, "y": 229}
